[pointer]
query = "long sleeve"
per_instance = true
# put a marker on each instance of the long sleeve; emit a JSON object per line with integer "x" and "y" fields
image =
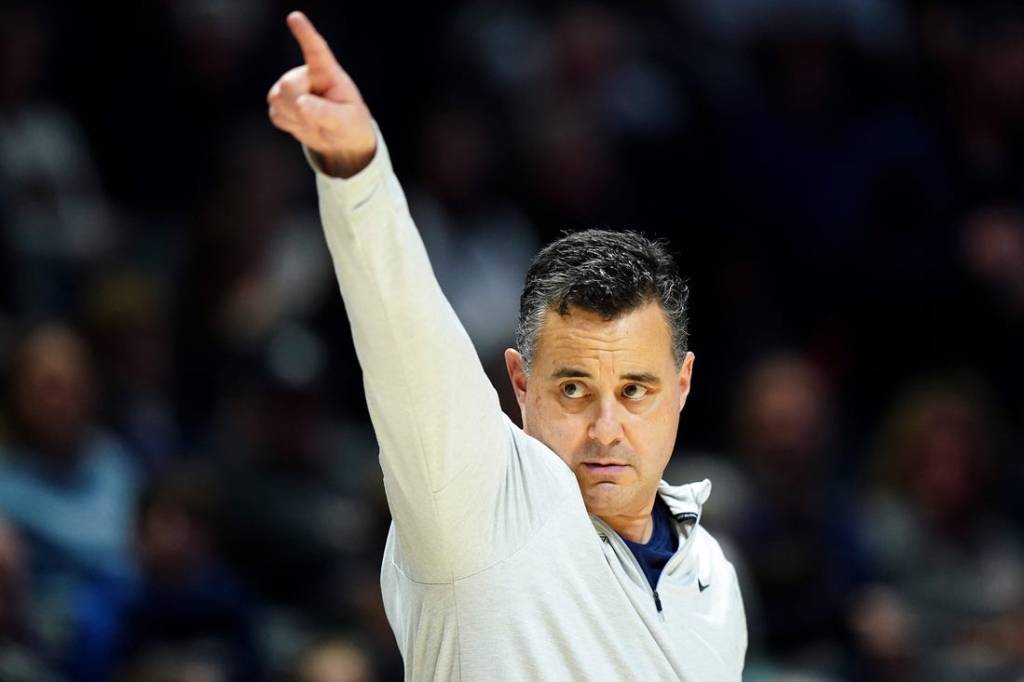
{"x": 444, "y": 443}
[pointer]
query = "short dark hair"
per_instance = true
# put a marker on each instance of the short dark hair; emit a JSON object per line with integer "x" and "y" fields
{"x": 606, "y": 272}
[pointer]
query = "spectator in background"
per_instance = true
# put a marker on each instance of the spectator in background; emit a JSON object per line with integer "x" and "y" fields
{"x": 256, "y": 265}
{"x": 64, "y": 482}
{"x": 599, "y": 104}
{"x": 187, "y": 604}
{"x": 991, "y": 313}
{"x": 973, "y": 59}
{"x": 131, "y": 333}
{"x": 797, "y": 535}
{"x": 298, "y": 481}
{"x": 67, "y": 485}
{"x": 954, "y": 566}
{"x": 58, "y": 224}
{"x": 993, "y": 251}
{"x": 987, "y": 323}
{"x": 479, "y": 242}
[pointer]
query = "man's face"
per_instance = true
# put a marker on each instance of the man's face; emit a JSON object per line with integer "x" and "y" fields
{"x": 53, "y": 392}
{"x": 605, "y": 395}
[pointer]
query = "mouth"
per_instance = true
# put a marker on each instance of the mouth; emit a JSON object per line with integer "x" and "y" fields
{"x": 606, "y": 469}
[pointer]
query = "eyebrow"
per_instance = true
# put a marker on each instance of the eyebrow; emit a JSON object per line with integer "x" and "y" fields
{"x": 577, "y": 373}
{"x": 571, "y": 373}
{"x": 641, "y": 378}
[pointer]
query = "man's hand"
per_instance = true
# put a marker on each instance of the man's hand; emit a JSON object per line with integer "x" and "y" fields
{"x": 321, "y": 107}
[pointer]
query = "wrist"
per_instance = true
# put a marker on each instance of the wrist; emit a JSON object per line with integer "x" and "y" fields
{"x": 345, "y": 165}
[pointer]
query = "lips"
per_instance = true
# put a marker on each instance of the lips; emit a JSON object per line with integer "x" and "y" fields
{"x": 605, "y": 468}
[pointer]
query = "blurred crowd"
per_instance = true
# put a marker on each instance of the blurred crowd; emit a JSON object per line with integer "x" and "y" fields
{"x": 188, "y": 480}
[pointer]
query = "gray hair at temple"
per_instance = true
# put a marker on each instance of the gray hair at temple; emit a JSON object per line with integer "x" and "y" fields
{"x": 606, "y": 272}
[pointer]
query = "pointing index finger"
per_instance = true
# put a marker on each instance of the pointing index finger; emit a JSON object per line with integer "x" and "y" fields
{"x": 314, "y": 48}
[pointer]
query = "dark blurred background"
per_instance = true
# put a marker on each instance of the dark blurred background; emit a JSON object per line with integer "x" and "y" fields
{"x": 188, "y": 482}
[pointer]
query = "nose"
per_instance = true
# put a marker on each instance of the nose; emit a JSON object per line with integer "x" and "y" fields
{"x": 606, "y": 427}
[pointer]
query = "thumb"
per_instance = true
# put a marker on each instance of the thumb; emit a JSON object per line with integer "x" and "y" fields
{"x": 324, "y": 113}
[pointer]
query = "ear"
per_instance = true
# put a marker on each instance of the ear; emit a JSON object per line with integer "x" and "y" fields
{"x": 517, "y": 374}
{"x": 685, "y": 374}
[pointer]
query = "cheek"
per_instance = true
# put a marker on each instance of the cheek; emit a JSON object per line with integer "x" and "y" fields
{"x": 564, "y": 433}
{"x": 653, "y": 434}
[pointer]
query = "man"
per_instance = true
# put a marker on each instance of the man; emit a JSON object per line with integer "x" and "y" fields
{"x": 66, "y": 484}
{"x": 549, "y": 553}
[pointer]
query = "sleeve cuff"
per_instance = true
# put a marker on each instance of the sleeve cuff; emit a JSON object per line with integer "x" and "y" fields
{"x": 356, "y": 189}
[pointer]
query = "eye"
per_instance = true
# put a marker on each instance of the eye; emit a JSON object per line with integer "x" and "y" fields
{"x": 634, "y": 391}
{"x": 572, "y": 389}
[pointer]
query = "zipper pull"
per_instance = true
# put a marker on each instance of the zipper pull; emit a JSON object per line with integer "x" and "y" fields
{"x": 657, "y": 601}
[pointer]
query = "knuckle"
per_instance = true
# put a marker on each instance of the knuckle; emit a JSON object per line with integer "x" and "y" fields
{"x": 290, "y": 93}
{"x": 277, "y": 117}
{"x": 292, "y": 81}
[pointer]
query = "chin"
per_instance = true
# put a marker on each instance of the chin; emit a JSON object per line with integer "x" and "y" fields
{"x": 603, "y": 498}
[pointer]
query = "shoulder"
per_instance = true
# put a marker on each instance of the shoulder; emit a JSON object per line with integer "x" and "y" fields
{"x": 106, "y": 456}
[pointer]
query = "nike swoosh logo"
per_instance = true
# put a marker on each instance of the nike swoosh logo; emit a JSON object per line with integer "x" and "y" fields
{"x": 702, "y": 586}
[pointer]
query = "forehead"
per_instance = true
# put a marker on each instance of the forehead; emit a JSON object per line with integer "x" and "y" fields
{"x": 639, "y": 337}
{"x": 51, "y": 354}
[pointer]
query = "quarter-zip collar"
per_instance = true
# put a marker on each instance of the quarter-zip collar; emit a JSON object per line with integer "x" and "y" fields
{"x": 685, "y": 499}
{"x": 685, "y": 503}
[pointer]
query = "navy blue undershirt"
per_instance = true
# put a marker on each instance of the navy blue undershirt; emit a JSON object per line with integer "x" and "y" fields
{"x": 659, "y": 549}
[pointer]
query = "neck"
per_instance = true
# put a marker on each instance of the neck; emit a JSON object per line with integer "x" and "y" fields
{"x": 633, "y": 527}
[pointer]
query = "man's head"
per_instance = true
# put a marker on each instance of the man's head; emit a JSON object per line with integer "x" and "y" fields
{"x": 603, "y": 369}
{"x": 52, "y": 391}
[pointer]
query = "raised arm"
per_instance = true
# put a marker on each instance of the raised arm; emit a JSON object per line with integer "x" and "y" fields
{"x": 444, "y": 441}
